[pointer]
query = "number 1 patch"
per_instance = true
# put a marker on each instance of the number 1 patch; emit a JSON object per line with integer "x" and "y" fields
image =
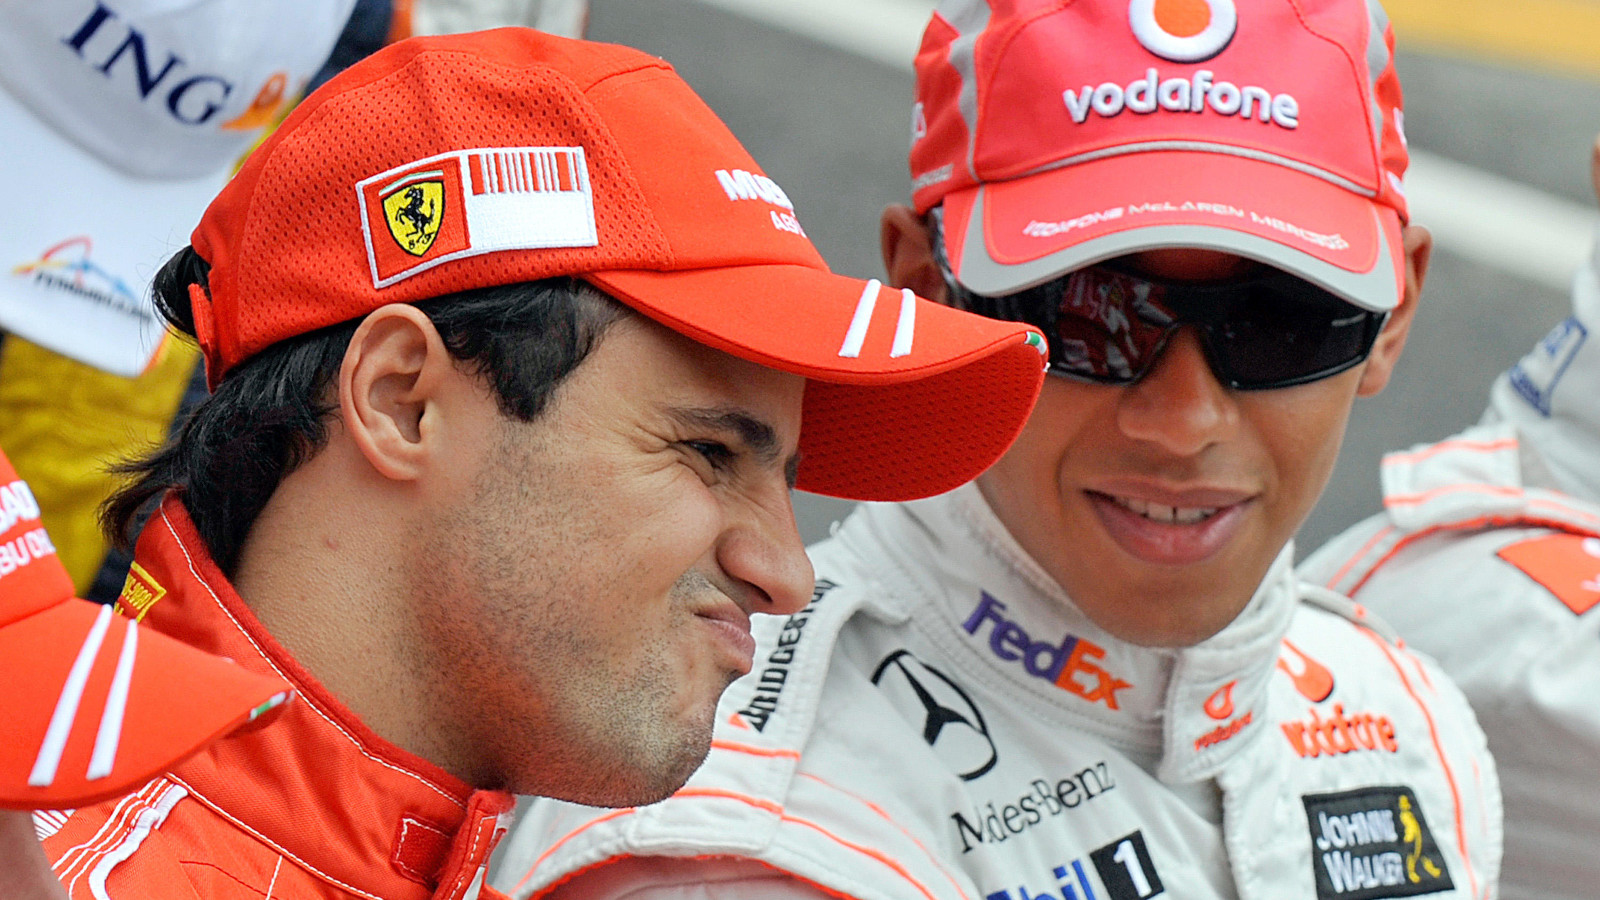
{"x": 1566, "y": 565}
{"x": 1126, "y": 870}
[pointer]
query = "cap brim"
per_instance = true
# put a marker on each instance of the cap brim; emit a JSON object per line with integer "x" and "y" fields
{"x": 907, "y": 398}
{"x": 1004, "y": 236}
{"x": 89, "y": 718}
{"x": 79, "y": 262}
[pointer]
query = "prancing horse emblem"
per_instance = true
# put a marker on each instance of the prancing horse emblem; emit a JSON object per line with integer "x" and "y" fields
{"x": 414, "y": 211}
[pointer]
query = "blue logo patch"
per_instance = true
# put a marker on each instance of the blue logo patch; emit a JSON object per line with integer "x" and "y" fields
{"x": 1538, "y": 374}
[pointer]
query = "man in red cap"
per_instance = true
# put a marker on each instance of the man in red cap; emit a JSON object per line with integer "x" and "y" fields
{"x": 1093, "y": 673}
{"x": 94, "y": 706}
{"x": 515, "y": 356}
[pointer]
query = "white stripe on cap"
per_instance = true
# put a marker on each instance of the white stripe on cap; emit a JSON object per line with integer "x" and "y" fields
{"x": 857, "y": 335}
{"x": 905, "y": 329}
{"x": 55, "y": 737}
{"x": 110, "y": 736}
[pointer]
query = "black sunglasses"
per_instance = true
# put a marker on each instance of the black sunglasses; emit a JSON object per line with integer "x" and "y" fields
{"x": 1109, "y": 326}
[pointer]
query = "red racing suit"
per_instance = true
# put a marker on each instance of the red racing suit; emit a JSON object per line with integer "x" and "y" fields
{"x": 313, "y": 805}
{"x": 943, "y": 723}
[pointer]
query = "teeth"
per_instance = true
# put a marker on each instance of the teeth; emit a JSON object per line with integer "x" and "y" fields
{"x": 1170, "y": 515}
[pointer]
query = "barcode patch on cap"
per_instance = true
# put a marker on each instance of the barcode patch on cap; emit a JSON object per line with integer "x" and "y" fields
{"x": 469, "y": 202}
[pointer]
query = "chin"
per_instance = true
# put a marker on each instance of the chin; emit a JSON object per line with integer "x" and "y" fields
{"x": 1170, "y": 622}
{"x": 638, "y": 773}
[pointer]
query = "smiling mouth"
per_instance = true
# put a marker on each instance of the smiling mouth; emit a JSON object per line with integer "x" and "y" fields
{"x": 1162, "y": 514}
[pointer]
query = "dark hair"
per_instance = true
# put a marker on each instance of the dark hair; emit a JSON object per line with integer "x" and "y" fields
{"x": 269, "y": 415}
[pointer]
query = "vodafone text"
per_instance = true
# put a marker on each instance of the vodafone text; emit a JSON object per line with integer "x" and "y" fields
{"x": 1223, "y": 732}
{"x": 1059, "y": 664}
{"x": 1192, "y": 95}
{"x": 1340, "y": 734}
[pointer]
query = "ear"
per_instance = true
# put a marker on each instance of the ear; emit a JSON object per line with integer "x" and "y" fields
{"x": 1386, "y": 352}
{"x": 907, "y": 244}
{"x": 391, "y": 377}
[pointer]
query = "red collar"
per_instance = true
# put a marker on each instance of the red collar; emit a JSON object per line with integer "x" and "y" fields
{"x": 315, "y": 783}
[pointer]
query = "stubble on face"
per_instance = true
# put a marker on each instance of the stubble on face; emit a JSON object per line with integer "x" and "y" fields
{"x": 553, "y": 674}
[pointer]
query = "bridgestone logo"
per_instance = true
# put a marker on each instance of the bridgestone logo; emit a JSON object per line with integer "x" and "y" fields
{"x": 769, "y": 684}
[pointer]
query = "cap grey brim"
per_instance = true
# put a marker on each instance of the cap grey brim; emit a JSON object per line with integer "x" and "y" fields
{"x": 979, "y": 272}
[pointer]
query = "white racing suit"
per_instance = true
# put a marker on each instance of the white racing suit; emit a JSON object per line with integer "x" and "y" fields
{"x": 1487, "y": 558}
{"x": 941, "y": 722}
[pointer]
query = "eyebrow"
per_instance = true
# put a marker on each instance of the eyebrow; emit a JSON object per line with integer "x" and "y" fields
{"x": 759, "y": 437}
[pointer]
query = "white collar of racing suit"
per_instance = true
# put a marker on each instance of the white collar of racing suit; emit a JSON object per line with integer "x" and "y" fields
{"x": 1184, "y": 712}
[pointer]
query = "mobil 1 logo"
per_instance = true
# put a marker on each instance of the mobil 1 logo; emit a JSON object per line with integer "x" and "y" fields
{"x": 1124, "y": 866}
{"x": 1126, "y": 869}
{"x": 1373, "y": 843}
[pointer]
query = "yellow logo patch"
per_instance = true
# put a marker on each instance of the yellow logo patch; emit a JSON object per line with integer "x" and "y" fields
{"x": 414, "y": 210}
{"x": 139, "y": 593}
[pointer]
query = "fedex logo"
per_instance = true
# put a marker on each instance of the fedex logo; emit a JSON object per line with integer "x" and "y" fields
{"x": 118, "y": 50}
{"x": 1071, "y": 665}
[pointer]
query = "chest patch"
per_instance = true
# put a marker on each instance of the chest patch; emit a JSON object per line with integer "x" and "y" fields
{"x": 1566, "y": 565}
{"x": 1372, "y": 843}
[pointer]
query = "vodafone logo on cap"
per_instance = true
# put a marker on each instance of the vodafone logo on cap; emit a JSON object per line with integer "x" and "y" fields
{"x": 1184, "y": 31}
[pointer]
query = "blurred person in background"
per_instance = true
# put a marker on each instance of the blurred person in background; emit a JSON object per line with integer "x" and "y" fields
{"x": 515, "y": 356}
{"x": 1487, "y": 556}
{"x": 122, "y": 120}
{"x": 1094, "y": 673}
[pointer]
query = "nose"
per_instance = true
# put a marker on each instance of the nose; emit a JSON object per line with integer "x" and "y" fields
{"x": 764, "y": 551}
{"x": 1179, "y": 405}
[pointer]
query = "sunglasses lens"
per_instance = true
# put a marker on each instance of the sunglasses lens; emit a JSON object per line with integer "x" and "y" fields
{"x": 1110, "y": 326}
{"x": 1276, "y": 338}
{"x": 1106, "y": 328}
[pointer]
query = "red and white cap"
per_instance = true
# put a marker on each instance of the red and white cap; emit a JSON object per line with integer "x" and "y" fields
{"x": 93, "y": 705}
{"x": 441, "y": 164}
{"x": 122, "y": 119}
{"x": 1059, "y": 134}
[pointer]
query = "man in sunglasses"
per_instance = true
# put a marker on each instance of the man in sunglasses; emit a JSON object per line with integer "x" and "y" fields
{"x": 1093, "y": 674}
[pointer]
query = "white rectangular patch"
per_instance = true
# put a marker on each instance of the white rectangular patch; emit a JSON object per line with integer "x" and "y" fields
{"x": 469, "y": 202}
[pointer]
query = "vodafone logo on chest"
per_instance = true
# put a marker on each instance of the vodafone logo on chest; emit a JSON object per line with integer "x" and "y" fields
{"x": 1183, "y": 31}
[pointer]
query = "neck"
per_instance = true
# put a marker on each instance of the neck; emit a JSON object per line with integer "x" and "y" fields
{"x": 328, "y": 571}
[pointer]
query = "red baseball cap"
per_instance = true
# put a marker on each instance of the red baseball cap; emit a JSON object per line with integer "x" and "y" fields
{"x": 1057, "y": 134}
{"x": 95, "y": 706}
{"x": 446, "y": 163}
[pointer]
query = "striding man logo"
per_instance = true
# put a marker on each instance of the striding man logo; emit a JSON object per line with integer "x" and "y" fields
{"x": 414, "y": 209}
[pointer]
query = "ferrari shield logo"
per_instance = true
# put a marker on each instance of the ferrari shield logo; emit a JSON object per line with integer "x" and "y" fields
{"x": 414, "y": 210}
